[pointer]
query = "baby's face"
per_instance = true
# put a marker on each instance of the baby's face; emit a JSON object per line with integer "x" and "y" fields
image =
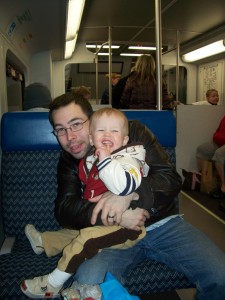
{"x": 108, "y": 131}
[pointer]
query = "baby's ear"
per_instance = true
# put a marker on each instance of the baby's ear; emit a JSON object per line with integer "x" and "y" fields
{"x": 90, "y": 140}
{"x": 125, "y": 140}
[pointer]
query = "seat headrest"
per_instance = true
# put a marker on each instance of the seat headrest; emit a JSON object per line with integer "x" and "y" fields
{"x": 162, "y": 123}
{"x": 32, "y": 131}
{"x": 22, "y": 131}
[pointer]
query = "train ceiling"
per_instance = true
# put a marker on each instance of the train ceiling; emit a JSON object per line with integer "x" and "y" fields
{"x": 36, "y": 26}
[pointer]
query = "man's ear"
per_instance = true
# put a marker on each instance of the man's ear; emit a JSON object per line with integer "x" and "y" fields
{"x": 125, "y": 140}
{"x": 90, "y": 140}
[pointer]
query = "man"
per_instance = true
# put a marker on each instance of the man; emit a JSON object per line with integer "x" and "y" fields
{"x": 169, "y": 238}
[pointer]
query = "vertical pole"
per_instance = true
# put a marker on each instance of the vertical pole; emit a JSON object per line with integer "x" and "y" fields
{"x": 177, "y": 66}
{"x": 158, "y": 32}
{"x": 96, "y": 77}
{"x": 110, "y": 66}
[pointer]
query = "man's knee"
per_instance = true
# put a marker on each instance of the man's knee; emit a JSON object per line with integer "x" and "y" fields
{"x": 91, "y": 272}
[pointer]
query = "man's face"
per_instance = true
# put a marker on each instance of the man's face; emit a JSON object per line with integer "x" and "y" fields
{"x": 76, "y": 143}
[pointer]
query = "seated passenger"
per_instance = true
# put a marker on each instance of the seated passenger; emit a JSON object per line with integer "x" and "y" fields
{"x": 214, "y": 150}
{"x": 37, "y": 97}
{"x": 212, "y": 98}
{"x": 169, "y": 238}
{"x": 110, "y": 158}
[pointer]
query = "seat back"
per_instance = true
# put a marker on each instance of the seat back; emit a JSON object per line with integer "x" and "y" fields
{"x": 30, "y": 153}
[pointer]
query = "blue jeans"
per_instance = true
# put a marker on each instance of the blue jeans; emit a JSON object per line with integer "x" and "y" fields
{"x": 177, "y": 244}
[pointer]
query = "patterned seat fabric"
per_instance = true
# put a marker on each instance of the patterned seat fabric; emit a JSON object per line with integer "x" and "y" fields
{"x": 28, "y": 193}
{"x": 151, "y": 277}
{"x": 29, "y": 190}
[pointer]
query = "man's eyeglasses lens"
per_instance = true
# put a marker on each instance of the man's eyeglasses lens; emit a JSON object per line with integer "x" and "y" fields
{"x": 73, "y": 127}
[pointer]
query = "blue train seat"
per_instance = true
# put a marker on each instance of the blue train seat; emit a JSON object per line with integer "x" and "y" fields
{"x": 30, "y": 154}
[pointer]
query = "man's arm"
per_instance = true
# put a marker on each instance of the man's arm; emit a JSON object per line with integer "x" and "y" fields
{"x": 158, "y": 190}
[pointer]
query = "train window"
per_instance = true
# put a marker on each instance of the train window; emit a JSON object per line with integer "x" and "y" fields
{"x": 15, "y": 87}
{"x": 170, "y": 77}
{"x": 84, "y": 74}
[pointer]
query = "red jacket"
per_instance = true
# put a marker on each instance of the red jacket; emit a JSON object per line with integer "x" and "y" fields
{"x": 219, "y": 135}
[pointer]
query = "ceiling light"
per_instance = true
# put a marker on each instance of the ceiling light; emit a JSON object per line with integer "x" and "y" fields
{"x": 69, "y": 48}
{"x": 104, "y": 53}
{"x": 131, "y": 54}
{"x": 74, "y": 15}
{"x": 105, "y": 46}
{"x": 141, "y": 48}
{"x": 205, "y": 51}
{"x": 75, "y": 11}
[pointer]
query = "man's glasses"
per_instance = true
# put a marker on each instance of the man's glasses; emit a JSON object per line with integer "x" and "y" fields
{"x": 73, "y": 127}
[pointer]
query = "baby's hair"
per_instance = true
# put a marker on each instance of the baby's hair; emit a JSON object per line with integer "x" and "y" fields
{"x": 109, "y": 111}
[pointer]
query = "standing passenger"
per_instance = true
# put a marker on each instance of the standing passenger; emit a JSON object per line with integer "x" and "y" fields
{"x": 105, "y": 96}
{"x": 140, "y": 88}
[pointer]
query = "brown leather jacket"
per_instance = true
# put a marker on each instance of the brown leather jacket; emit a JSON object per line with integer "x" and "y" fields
{"x": 157, "y": 192}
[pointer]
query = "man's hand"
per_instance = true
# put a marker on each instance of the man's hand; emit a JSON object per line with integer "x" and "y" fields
{"x": 112, "y": 205}
{"x": 134, "y": 219}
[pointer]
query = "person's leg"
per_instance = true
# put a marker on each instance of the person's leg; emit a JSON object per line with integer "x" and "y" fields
{"x": 93, "y": 271}
{"x": 84, "y": 246}
{"x": 183, "y": 247}
{"x": 91, "y": 240}
{"x": 205, "y": 152}
{"x": 219, "y": 158}
{"x": 55, "y": 241}
{"x": 50, "y": 242}
{"x": 220, "y": 171}
{"x": 177, "y": 244}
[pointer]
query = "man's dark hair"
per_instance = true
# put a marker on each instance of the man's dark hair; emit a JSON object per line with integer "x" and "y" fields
{"x": 68, "y": 98}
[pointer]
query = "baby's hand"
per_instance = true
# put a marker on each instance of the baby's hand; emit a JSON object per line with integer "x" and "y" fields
{"x": 103, "y": 152}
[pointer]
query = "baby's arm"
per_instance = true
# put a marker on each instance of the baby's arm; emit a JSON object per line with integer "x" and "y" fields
{"x": 121, "y": 176}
